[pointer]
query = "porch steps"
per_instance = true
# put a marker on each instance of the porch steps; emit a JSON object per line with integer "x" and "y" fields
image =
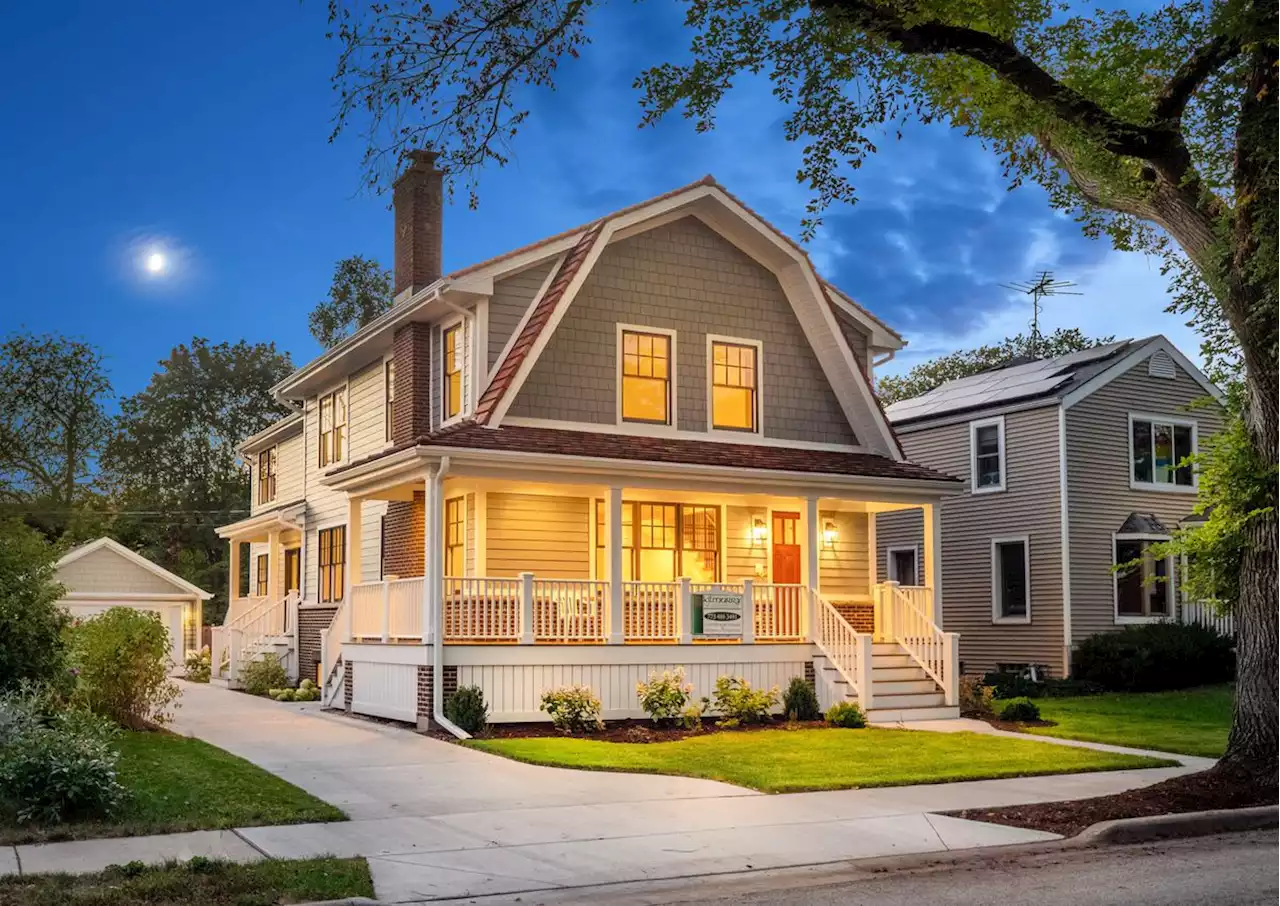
{"x": 901, "y": 690}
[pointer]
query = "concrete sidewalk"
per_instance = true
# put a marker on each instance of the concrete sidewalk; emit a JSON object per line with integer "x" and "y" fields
{"x": 437, "y": 820}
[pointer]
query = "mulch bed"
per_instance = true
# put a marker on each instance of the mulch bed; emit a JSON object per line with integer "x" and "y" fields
{"x": 633, "y": 731}
{"x": 1204, "y": 791}
{"x": 1013, "y": 726}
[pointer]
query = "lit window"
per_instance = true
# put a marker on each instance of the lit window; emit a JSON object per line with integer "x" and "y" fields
{"x": 1159, "y": 449}
{"x": 669, "y": 540}
{"x": 262, "y": 576}
{"x": 452, "y": 402}
{"x": 333, "y": 560}
{"x": 389, "y": 378}
{"x": 455, "y": 543}
{"x": 646, "y": 377}
{"x": 1141, "y": 581}
{"x": 734, "y": 378}
{"x": 333, "y": 426}
{"x": 267, "y": 476}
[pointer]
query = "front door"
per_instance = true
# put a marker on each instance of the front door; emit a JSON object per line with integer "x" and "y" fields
{"x": 786, "y": 548}
{"x": 292, "y": 569}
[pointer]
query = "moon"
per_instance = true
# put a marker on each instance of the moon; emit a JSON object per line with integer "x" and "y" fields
{"x": 155, "y": 263}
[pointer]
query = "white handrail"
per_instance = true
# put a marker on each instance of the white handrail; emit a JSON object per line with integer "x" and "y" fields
{"x": 779, "y": 612}
{"x": 848, "y": 651}
{"x": 481, "y": 609}
{"x": 568, "y": 610}
{"x": 650, "y": 611}
{"x": 902, "y": 617}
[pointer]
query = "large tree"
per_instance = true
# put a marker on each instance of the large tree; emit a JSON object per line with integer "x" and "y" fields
{"x": 53, "y": 424}
{"x": 360, "y": 291}
{"x": 966, "y": 362}
{"x": 1157, "y": 128}
{"x": 172, "y": 462}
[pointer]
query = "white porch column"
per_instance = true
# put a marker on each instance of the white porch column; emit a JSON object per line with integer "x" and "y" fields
{"x": 273, "y": 564}
{"x": 933, "y": 559}
{"x": 526, "y": 608}
{"x": 613, "y": 544}
{"x": 813, "y": 543}
{"x": 233, "y": 585}
{"x": 432, "y": 555}
{"x": 352, "y": 571}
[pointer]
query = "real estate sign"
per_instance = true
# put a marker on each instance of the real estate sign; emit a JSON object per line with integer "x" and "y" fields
{"x": 721, "y": 614}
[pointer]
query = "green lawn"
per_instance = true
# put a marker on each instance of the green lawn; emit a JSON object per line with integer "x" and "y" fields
{"x": 1189, "y": 722}
{"x": 178, "y": 784}
{"x": 200, "y": 882}
{"x": 788, "y": 761}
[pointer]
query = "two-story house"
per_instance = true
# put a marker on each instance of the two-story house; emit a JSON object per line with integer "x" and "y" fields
{"x": 647, "y": 441}
{"x": 1074, "y": 466}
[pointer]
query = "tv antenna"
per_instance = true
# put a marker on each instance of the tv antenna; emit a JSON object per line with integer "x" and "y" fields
{"x": 1039, "y": 289}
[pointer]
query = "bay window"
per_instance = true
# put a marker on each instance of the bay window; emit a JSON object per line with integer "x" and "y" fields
{"x": 1143, "y": 582}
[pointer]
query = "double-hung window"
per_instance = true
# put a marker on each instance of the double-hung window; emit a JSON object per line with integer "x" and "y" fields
{"x": 267, "y": 476}
{"x": 455, "y": 537}
{"x": 986, "y": 455}
{"x": 1010, "y": 580}
{"x": 1142, "y": 582}
{"x": 333, "y": 562}
{"x": 663, "y": 541}
{"x": 262, "y": 587}
{"x": 1157, "y": 448}
{"x": 645, "y": 370}
{"x": 333, "y": 426}
{"x": 735, "y": 376}
{"x": 451, "y": 385}
{"x": 389, "y": 388}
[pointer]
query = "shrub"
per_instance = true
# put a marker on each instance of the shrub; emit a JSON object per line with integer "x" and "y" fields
{"x": 665, "y": 696}
{"x": 691, "y": 716}
{"x": 199, "y": 665}
{"x": 260, "y": 676}
{"x": 1012, "y": 685}
{"x": 1154, "y": 657}
{"x": 1020, "y": 709}
{"x": 573, "y": 709}
{"x": 467, "y": 709}
{"x": 975, "y": 696}
{"x": 846, "y": 715}
{"x": 738, "y": 703}
{"x": 31, "y": 622}
{"x": 122, "y": 656}
{"x": 800, "y": 701}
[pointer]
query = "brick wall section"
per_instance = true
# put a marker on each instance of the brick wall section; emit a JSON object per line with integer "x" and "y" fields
{"x": 411, "y": 348}
{"x": 687, "y": 278}
{"x": 425, "y": 684}
{"x": 810, "y": 676}
{"x": 862, "y": 617}
{"x": 348, "y": 684}
{"x": 418, "y": 199}
{"x": 312, "y": 622}
{"x": 405, "y": 528}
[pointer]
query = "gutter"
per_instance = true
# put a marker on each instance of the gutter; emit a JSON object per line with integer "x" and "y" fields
{"x": 437, "y": 609}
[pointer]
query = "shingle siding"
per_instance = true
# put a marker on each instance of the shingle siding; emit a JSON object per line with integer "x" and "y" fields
{"x": 684, "y": 277}
{"x": 1098, "y": 493}
{"x": 511, "y": 298}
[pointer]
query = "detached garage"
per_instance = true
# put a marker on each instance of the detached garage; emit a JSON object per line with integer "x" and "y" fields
{"x": 105, "y": 574}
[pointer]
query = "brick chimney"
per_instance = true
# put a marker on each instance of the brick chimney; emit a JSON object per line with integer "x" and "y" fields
{"x": 418, "y": 199}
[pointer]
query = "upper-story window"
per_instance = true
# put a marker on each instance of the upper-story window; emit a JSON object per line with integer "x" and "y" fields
{"x": 735, "y": 377}
{"x": 645, "y": 366}
{"x": 261, "y": 585}
{"x": 333, "y": 426}
{"x": 389, "y": 383}
{"x": 451, "y": 387}
{"x": 1157, "y": 448}
{"x": 267, "y": 475}
{"x": 986, "y": 455}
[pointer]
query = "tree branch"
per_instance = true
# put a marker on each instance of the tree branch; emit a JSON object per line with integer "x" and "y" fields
{"x": 1172, "y": 101}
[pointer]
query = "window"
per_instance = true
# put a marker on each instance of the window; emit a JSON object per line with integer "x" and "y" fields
{"x": 986, "y": 455}
{"x": 333, "y": 426}
{"x": 1010, "y": 580}
{"x": 1142, "y": 582}
{"x": 646, "y": 377}
{"x": 333, "y": 561}
{"x": 389, "y": 384}
{"x": 1157, "y": 448}
{"x": 262, "y": 576}
{"x": 901, "y": 562}
{"x": 451, "y": 403}
{"x": 455, "y": 537}
{"x": 267, "y": 476}
{"x": 735, "y": 377}
{"x": 663, "y": 541}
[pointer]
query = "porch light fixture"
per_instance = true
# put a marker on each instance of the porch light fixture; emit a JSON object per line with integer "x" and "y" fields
{"x": 829, "y": 534}
{"x": 759, "y": 531}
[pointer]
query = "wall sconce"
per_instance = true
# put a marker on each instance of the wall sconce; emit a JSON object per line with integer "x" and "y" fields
{"x": 829, "y": 534}
{"x": 759, "y": 531}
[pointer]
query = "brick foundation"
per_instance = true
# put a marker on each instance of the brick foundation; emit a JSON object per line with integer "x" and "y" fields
{"x": 810, "y": 676}
{"x": 312, "y": 622}
{"x": 425, "y": 683}
{"x": 348, "y": 684}
{"x": 862, "y": 617}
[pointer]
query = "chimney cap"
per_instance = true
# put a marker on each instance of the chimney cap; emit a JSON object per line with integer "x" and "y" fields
{"x": 422, "y": 159}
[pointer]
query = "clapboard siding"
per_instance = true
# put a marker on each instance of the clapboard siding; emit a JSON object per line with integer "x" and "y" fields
{"x": 106, "y": 571}
{"x": 969, "y": 522}
{"x": 842, "y": 568}
{"x": 1098, "y": 493}
{"x": 547, "y": 536}
{"x": 511, "y": 298}
{"x": 744, "y": 557}
{"x": 900, "y": 528}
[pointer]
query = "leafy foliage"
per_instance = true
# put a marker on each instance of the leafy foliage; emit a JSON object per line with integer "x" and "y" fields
{"x": 975, "y": 695}
{"x": 846, "y": 715}
{"x": 262, "y": 675}
{"x": 665, "y": 696}
{"x": 31, "y": 622}
{"x": 1155, "y": 657}
{"x": 1015, "y": 685}
{"x": 1020, "y": 709}
{"x": 360, "y": 292}
{"x": 467, "y": 709}
{"x": 800, "y": 701}
{"x": 967, "y": 362}
{"x": 738, "y": 703}
{"x": 573, "y": 709}
{"x": 121, "y": 660}
{"x": 198, "y": 665}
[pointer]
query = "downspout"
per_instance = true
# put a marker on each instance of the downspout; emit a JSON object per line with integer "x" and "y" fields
{"x": 435, "y": 588}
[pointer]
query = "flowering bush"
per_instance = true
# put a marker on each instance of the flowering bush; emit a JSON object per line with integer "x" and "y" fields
{"x": 738, "y": 703}
{"x": 199, "y": 665}
{"x": 573, "y": 709}
{"x": 665, "y": 696}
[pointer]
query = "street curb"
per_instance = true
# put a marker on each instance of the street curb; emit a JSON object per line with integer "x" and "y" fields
{"x": 1167, "y": 827}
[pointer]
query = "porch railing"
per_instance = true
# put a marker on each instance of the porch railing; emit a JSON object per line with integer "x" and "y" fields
{"x": 904, "y": 615}
{"x": 848, "y": 651}
{"x": 780, "y": 612}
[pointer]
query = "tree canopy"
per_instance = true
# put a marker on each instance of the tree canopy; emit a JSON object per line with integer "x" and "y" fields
{"x": 361, "y": 290}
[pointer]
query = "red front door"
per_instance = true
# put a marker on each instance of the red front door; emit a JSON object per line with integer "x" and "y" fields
{"x": 786, "y": 549}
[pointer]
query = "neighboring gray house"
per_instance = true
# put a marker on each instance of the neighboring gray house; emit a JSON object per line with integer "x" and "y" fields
{"x": 1072, "y": 468}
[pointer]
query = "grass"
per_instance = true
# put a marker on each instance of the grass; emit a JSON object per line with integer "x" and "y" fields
{"x": 200, "y": 882}
{"x": 1188, "y": 722}
{"x": 788, "y": 761}
{"x": 176, "y": 783}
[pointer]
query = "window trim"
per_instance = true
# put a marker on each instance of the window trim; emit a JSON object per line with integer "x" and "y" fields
{"x": 1148, "y": 617}
{"x": 271, "y": 456}
{"x": 888, "y": 563}
{"x": 996, "y": 617}
{"x": 1158, "y": 487}
{"x": 388, "y": 398}
{"x": 998, "y": 421}
{"x": 461, "y": 500}
{"x": 345, "y": 388}
{"x": 340, "y": 594}
{"x": 460, "y": 324}
{"x": 262, "y": 576}
{"x": 758, "y": 416}
{"x": 620, "y": 330}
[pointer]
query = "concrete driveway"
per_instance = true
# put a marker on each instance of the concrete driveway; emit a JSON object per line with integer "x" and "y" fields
{"x": 436, "y": 820}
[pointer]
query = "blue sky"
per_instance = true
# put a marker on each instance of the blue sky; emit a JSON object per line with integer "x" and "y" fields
{"x": 204, "y": 127}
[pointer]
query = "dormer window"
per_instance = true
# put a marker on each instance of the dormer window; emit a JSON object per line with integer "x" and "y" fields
{"x": 451, "y": 386}
{"x": 333, "y": 426}
{"x": 645, "y": 376}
